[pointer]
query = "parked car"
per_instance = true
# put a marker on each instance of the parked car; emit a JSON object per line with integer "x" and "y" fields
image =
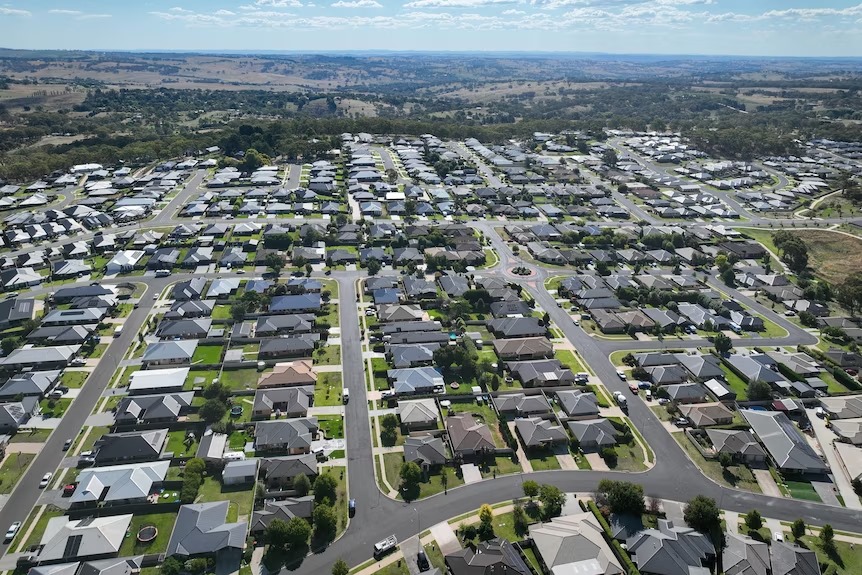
{"x": 621, "y": 374}
{"x": 69, "y": 489}
{"x": 681, "y": 422}
{"x": 67, "y": 444}
{"x": 648, "y": 395}
{"x": 422, "y": 561}
{"x": 12, "y": 531}
{"x": 46, "y": 479}
{"x": 351, "y": 507}
{"x": 820, "y": 412}
{"x": 663, "y": 401}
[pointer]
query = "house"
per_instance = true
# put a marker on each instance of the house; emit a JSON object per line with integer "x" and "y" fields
{"x": 468, "y": 436}
{"x": 509, "y": 327}
{"x": 300, "y": 372}
{"x": 541, "y": 372}
{"x": 39, "y": 357}
{"x": 170, "y": 380}
{"x": 489, "y": 558}
{"x": 523, "y": 348}
{"x": 278, "y": 473}
{"x": 783, "y": 442}
{"x": 578, "y": 404}
{"x": 427, "y": 451}
{"x": 574, "y": 544}
{"x": 701, "y": 366}
{"x": 843, "y": 407}
{"x": 707, "y": 414}
{"x": 412, "y": 355}
{"x": 62, "y": 335}
{"x": 74, "y": 316}
{"x": 14, "y": 414}
{"x": 239, "y": 472}
{"x": 686, "y": 392}
{"x": 286, "y": 402}
{"x": 271, "y": 325}
{"x": 18, "y": 278}
{"x": 399, "y": 313}
{"x": 201, "y": 529}
{"x": 306, "y": 302}
{"x": 284, "y": 510}
{"x": 415, "y": 380}
{"x": 29, "y": 384}
{"x": 740, "y": 444}
{"x": 454, "y": 285}
{"x": 163, "y": 259}
{"x": 223, "y": 287}
{"x": 292, "y": 436}
{"x": 118, "y": 484}
{"x": 790, "y": 559}
{"x": 670, "y": 550}
{"x": 608, "y": 321}
{"x": 162, "y": 408}
{"x": 667, "y": 374}
{"x": 593, "y": 434}
{"x": 297, "y": 346}
{"x": 190, "y": 309}
{"x": 184, "y": 328}
{"x": 91, "y": 537}
{"x": 123, "y": 262}
{"x": 510, "y": 309}
{"x": 169, "y": 353}
{"x": 13, "y": 311}
{"x": 536, "y": 432}
{"x": 720, "y": 390}
{"x": 189, "y": 289}
{"x": 418, "y": 414}
{"x": 745, "y": 556}
{"x": 130, "y": 446}
{"x": 521, "y": 404}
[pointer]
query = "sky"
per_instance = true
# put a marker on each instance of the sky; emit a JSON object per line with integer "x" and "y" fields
{"x": 715, "y": 27}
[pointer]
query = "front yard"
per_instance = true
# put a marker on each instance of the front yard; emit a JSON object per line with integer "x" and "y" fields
{"x": 12, "y": 470}
{"x": 327, "y": 390}
{"x": 328, "y": 355}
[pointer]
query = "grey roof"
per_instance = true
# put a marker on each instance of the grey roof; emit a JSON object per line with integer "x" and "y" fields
{"x": 293, "y": 323}
{"x": 285, "y": 510}
{"x": 789, "y": 559}
{"x": 297, "y": 302}
{"x": 521, "y": 403}
{"x": 418, "y": 411}
{"x": 118, "y": 566}
{"x": 240, "y": 469}
{"x": 670, "y": 550}
{"x": 490, "y": 557}
{"x": 198, "y": 327}
{"x": 735, "y": 442}
{"x": 29, "y": 383}
{"x": 131, "y": 445}
{"x": 541, "y": 372}
{"x": 189, "y": 289}
{"x": 153, "y": 407}
{"x": 745, "y": 556}
{"x": 40, "y": 355}
{"x": 288, "y": 467}
{"x": 535, "y": 431}
{"x": 89, "y": 537}
{"x": 290, "y": 433}
{"x": 783, "y": 441}
{"x": 414, "y": 379}
{"x": 15, "y": 413}
{"x": 289, "y": 400}
{"x": 578, "y": 403}
{"x": 597, "y": 431}
{"x": 574, "y": 544}
{"x": 168, "y": 350}
{"x": 686, "y": 391}
{"x": 201, "y": 529}
{"x": 407, "y": 355}
{"x": 119, "y": 483}
{"x": 425, "y": 449}
{"x": 704, "y": 366}
{"x": 516, "y": 327}
{"x": 467, "y": 434}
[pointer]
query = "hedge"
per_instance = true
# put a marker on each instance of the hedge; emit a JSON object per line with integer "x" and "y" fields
{"x": 618, "y": 549}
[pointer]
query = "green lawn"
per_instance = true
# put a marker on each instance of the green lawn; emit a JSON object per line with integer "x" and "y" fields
{"x": 127, "y": 375}
{"x": 12, "y": 469}
{"x": 435, "y": 557}
{"x": 568, "y": 359}
{"x": 328, "y": 355}
{"x": 95, "y": 433}
{"x": 846, "y": 557}
{"x": 98, "y": 350}
{"x": 329, "y": 314}
{"x": 207, "y": 355}
{"x": 176, "y": 446}
{"x": 39, "y": 529}
{"x": 241, "y": 497}
{"x": 163, "y": 522}
{"x": 397, "y": 568}
{"x": 802, "y": 490}
{"x": 739, "y": 477}
{"x": 327, "y": 390}
{"x": 502, "y": 465}
{"x": 221, "y": 312}
{"x": 832, "y": 385}
{"x": 239, "y": 378}
{"x": 341, "y": 496}
{"x": 54, "y": 407}
{"x": 332, "y": 426}
{"x": 735, "y": 383}
{"x": 542, "y": 459}
{"x": 73, "y": 378}
{"x": 34, "y": 436}
{"x": 200, "y": 378}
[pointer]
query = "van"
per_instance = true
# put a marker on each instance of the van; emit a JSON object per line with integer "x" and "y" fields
{"x": 118, "y": 331}
{"x": 163, "y": 273}
{"x": 345, "y": 395}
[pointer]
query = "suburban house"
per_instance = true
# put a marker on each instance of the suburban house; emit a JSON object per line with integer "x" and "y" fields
{"x": 468, "y": 436}
{"x": 119, "y": 484}
{"x": 670, "y": 550}
{"x": 89, "y": 538}
{"x": 427, "y": 451}
{"x": 578, "y": 404}
{"x": 169, "y": 380}
{"x": 740, "y": 444}
{"x": 783, "y": 442}
{"x": 707, "y": 414}
{"x": 574, "y": 544}
{"x": 523, "y": 348}
{"x": 15, "y": 414}
{"x": 418, "y": 414}
{"x": 30, "y": 383}
{"x": 494, "y": 556}
{"x": 130, "y": 446}
{"x": 285, "y": 402}
{"x": 541, "y": 372}
{"x": 415, "y": 380}
{"x": 521, "y": 404}
{"x": 284, "y": 510}
{"x": 291, "y": 436}
{"x": 278, "y": 473}
{"x": 164, "y": 408}
{"x": 593, "y": 434}
{"x": 536, "y": 432}
{"x": 292, "y": 373}
{"x": 745, "y": 556}
{"x": 169, "y": 353}
{"x": 202, "y": 529}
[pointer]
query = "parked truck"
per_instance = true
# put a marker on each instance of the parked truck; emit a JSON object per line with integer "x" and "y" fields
{"x": 621, "y": 400}
{"x": 384, "y": 547}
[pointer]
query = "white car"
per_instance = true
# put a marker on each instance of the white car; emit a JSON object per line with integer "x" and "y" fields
{"x": 621, "y": 374}
{"x": 45, "y": 480}
{"x": 13, "y": 530}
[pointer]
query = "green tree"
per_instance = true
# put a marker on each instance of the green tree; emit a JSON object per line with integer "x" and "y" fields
{"x": 9, "y": 344}
{"x": 753, "y": 520}
{"x": 324, "y": 488}
{"x": 444, "y": 478}
{"x": 340, "y": 568}
{"x": 622, "y": 496}
{"x": 520, "y": 521}
{"x": 552, "y": 499}
{"x": 325, "y": 522}
{"x": 276, "y": 534}
{"x": 795, "y": 255}
{"x": 298, "y": 531}
{"x": 373, "y": 266}
{"x": 758, "y": 390}
{"x": 171, "y": 566}
{"x": 302, "y": 484}
{"x": 728, "y": 277}
{"x": 723, "y": 344}
{"x": 275, "y": 262}
{"x": 849, "y": 292}
{"x": 702, "y": 514}
{"x": 411, "y": 477}
{"x": 725, "y": 459}
{"x": 213, "y": 410}
{"x": 827, "y": 538}
{"x": 798, "y": 528}
{"x": 610, "y": 158}
{"x": 531, "y": 488}
{"x": 238, "y": 310}
{"x": 388, "y": 425}
{"x": 486, "y": 514}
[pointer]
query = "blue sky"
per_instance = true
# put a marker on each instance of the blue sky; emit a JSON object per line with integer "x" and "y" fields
{"x": 735, "y": 27}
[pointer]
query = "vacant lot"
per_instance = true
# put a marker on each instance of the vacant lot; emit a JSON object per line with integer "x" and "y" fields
{"x": 832, "y": 255}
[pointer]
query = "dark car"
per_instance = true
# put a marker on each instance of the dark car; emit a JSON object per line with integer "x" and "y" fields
{"x": 422, "y": 561}
{"x": 351, "y": 507}
{"x": 26, "y": 561}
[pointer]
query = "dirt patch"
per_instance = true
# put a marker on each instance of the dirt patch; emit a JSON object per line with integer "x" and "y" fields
{"x": 833, "y": 256}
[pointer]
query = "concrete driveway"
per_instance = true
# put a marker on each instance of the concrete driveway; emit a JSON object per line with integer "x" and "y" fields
{"x": 826, "y": 438}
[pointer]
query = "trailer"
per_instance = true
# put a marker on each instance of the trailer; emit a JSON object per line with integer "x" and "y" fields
{"x": 384, "y": 547}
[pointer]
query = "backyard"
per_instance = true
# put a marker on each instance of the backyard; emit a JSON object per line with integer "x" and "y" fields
{"x": 207, "y": 355}
{"x": 241, "y": 497}
{"x": 163, "y": 522}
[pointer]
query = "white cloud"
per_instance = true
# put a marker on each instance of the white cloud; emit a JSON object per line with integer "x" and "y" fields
{"x": 277, "y": 3}
{"x": 456, "y": 3}
{"x": 357, "y": 4}
{"x": 66, "y": 12}
{"x": 224, "y": 13}
{"x": 13, "y": 12}
{"x": 513, "y": 12}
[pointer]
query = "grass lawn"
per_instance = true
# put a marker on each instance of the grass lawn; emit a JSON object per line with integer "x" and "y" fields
{"x": 127, "y": 375}
{"x": 846, "y": 557}
{"x": 330, "y": 316}
{"x": 542, "y": 459}
{"x": 327, "y": 390}
{"x": 163, "y": 522}
{"x": 241, "y": 497}
{"x": 98, "y": 350}
{"x": 630, "y": 457}
{"x": 739, "y": 477}
{"x": 397, "y": 568}
{"x": 568, "y": 359}
{"x": 73, "y": 378}
{"x": 54, "y": 407}
{"x": 531, "y": 559}
{"x": 502, "y": 465}
{"x": 504, "y": 526}
{"x": 95, "y": 433}
{"x": 176, "y": 446}
{"x": 332, "y": 426}
{"x": 617, "y": 356}
{"x": 34, "y": 436}
{"x": 207, "y": 355}
{"x": 832, "y": 384}
{"x": 340, "y": 496}
{"x": 239, "y": 378}
{"x": 12, "y": 470}
{"x": 771, "y": 329}
{"x": 328, "y": 355}
{"x": 221, "y": 312}
{"x": 486, "y": 415}
{"x": 39, "y": 529}
{"x": 435, "y": 557}
{"x": 735, "y": 383}
{"x": 762, "y": 534}
{"x": 392, "y": 466}
{"x": 200, "y": 378}
{"x": 661, "y": 412}
{"x": 802, "y": 490}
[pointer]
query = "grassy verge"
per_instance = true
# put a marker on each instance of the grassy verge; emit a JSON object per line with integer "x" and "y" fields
{"x": 12, "y": 469}
{"x": 739, "y": 477}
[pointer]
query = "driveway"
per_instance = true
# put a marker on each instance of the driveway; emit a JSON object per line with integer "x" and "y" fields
{"x": 470, "y": 473}
{"x": 766, "y": 482}
{"x": 826, "y": 438}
